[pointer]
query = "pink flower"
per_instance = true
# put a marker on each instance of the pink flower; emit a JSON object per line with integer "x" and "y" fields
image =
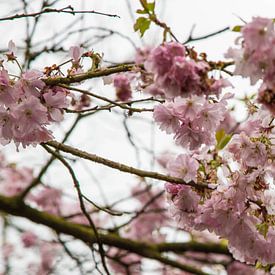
{"x": 7, "y": 123}
{"x": 30, "y": 115}
{"x": 123, "y": 87}
{"x": 6, "y": 90}
{"x": 247, "y": 152}
{"x": 187, "y": 109}
{"x": 30, "y": 84}
{"x": 76, "y": 53}
{"x": 192, "y": 137}
{"x": 210, "y": 116}
{"x": 164, "y": 115}
{"x": 33, "y": 78}
{"x": 217, "y": 85}
{"x": 12, "y": 50}
{"x": 244, "y": 66}
{"x": 267, "y": 98}
{"x": 256, "y": 57}
{"x": 258, "y": 34}
{"x": 142, "y": 55}
{"x": 183, "y": 78}
{"x": 161, "y": 58}
{"x": 29, "y": 239}
{"x": 154, "y": 90}
{"x": 172, "y": 189}
{"x": 184, "y": 206}
{"x": 184, "y": 167}
{"x": 38, "y": 135}
{"x": 164, "y": 158}
{"x": 11, "y": 47}
{"x": 4, "y": 78}
{"x": 56, "y": 99}
{"x": 194, "y": 120}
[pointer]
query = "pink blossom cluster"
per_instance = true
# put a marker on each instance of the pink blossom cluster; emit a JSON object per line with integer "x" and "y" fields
{"x": 241, "y": 206}
{"x": 193, "y": 120}
{"x": 27, "y": 106}
{"x": 176, "y": 74}
{"x": 256, "y": 57}
{"x": 193, "y": 110}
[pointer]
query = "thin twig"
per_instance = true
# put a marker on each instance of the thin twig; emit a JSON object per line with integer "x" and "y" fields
{"x": 121, "y": 105}
{"x": 68, "y": 10}
{"x": 191, "y": 38}
{"x": 82, "y": 205}
{"x": 44, "y": 169}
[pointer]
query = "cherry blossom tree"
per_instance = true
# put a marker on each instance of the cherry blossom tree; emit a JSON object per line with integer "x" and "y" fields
{"x": 205, "y": 206}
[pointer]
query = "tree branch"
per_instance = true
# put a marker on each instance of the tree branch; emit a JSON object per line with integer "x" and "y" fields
{"x": 121, "y": 105}
{"x": 120, "y": 166}
{"x": 68, "y": 10}
{"x": 192, "y": 39}
{"x": 13, "y": 206}
{"x": 90, "y": 74}
{"x": 82, "y": 205}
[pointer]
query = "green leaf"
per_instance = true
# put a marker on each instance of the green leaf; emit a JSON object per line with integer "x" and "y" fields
{"x": 258, "y": 265}
{"x": 237, "y": 28}
{"x": 148, "y": 7}
{"x": 222, "y": 139}
{"x": 142, "y": 25}
{"x": 151, "y": 6}
{"x": 139, "y": 11}
{"x": 219, "y": 135}
{"x": 261, "y": 266}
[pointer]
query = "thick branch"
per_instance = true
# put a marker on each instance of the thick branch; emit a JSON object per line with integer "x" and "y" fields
{"x": 194, "y": 247}
{"x": 16, "y": 207}
{"x": 120, "y": 166}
